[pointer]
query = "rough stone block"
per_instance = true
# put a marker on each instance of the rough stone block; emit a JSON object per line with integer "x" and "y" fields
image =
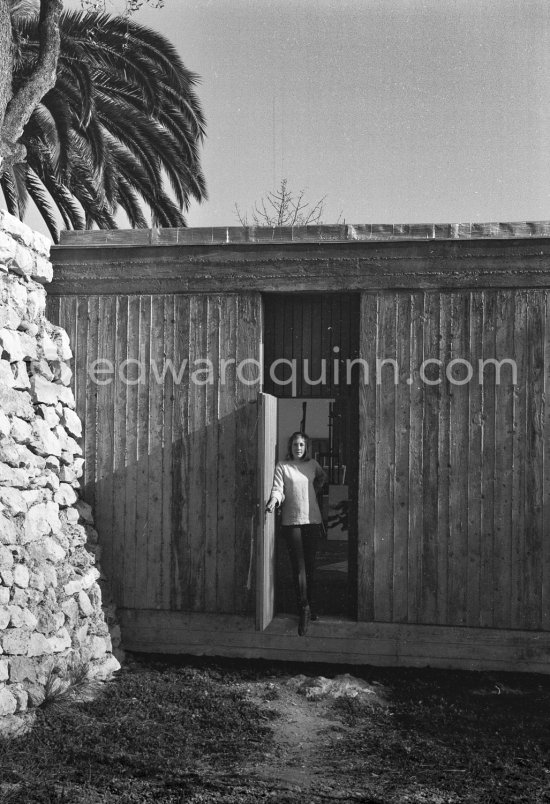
{"x": 20, "y": 376}
{"x": 85, "y": 604}
{"x": 36, "y": 304}
{"x": 41, "y": 368}
{"x": 38, "y": 645}
{"x": 6, "y": 557}
{"x": 16, "y": 641}
{"x": 44, "y": 440}
{"x": 105, "y": 669}
{"x": 7, "y": 250}
{"x": 28, "y": 346}
{"x": 49, "y": 414}
{"x": 4, "y": 670}
{"x": 5, "y": 425}
{"x": 41, "y": 520}
{"x": 6, "y": 374}
{"x": 13, "y": 477}
{"x": 61, "y": 372}
{"x": 21, "y": 431}
{"x": 72, "y": 422}
{"x": 8, "y": 702}
{"x": 7, "y": 577}
{"x": 46, "y": 550}
{"x": 10, "y": 345}
{"x": 21, "y": 696}
{"x": 37, "y": 581}
{"x": 5, "y": 617}
{"x": 4, "y": 595}
{"x": 62, "y": 342}
{"x": 8, "y": 530}
{"x": 23, "y": 669}
{"x": 14, "y": 500}
{"x": 65, "y": 496}
{"x": 41, "y": 244}
{"x": 21, "y": 576}
{"x": 16, "y": 403}
{"x": 16, "y": 229}
{"x": 50, "y": 576}
{"x": 60, "y": 642}
{"x": 36, "y": 693}
{"x": 9, "y": 317}
{"x": 47, "y": 347}
{"x": 42, "y": 270}
{"x": 46, "y": 392}
{"x": 18, "y": 456}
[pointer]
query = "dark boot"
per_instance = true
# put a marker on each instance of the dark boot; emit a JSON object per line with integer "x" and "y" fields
{"x": 305, "y": 616}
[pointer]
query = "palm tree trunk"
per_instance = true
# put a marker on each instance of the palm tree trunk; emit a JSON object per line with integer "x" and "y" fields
{"x": 15, "y": 110}
{"x": 6, "y": 60}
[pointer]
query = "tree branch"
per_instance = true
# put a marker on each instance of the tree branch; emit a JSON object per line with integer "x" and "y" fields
{"x": 42, "y": 78}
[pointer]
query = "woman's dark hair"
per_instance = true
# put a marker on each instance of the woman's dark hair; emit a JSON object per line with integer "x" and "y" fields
{"x": 306, "y": 438}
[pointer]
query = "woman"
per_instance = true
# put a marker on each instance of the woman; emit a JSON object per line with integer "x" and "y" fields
{"x": 296, "y": 483}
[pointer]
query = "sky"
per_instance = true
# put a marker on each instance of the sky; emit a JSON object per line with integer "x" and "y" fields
{"x": 398, "y": 111}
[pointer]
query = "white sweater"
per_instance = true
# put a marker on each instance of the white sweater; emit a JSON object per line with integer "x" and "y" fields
{"x": 294, "y": 486}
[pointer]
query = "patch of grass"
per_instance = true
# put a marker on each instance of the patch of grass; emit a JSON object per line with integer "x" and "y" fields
{"x": 452, "y": 737}
{"x": 155, "y": 734}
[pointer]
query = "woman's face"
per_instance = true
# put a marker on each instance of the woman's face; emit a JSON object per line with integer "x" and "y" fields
{"x": 298, "y": 448}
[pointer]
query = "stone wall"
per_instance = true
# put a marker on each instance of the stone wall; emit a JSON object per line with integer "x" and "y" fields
{"x": 51, "y": 615}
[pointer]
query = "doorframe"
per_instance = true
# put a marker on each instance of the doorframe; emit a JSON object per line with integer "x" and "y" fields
{"x": 353, "y": 396}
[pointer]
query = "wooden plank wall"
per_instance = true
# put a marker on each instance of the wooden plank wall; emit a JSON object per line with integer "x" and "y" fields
{"x": 307, "y": 328}
{"x": 455, "y": 479}
{"x": 170, "y": 465}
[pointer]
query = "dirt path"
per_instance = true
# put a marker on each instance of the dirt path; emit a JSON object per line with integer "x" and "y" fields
{"x": 306, "y": 730}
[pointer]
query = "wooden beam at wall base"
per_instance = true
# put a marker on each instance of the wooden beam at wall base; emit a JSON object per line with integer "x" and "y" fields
{"x": 336, "y": 641}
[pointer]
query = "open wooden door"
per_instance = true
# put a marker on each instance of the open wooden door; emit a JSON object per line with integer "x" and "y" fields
{"x": 265, "y": 582}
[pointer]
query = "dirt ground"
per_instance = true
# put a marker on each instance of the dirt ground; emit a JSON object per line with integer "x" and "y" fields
{"x": 205, "y": 730}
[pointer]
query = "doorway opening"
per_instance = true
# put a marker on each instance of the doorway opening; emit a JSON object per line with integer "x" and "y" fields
{"x": 309, "y": 338}
{"x": 324, "y": 421}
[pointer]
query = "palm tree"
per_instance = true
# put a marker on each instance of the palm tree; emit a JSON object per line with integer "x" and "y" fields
{"x": 122, "y": 120}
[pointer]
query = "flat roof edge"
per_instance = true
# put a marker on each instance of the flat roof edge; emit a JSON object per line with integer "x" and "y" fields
{"x": 382, "y": 232}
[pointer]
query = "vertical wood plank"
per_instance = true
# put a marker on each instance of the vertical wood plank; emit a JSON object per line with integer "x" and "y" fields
{"x": 213, "y": 312}
{"x": 488, "y": 546}
{"x": 545, "y": 597}
{"x": 120, "y": 458}
{"x": 193, "y": 592}
{"x": 90, "y": 447}
{"x": 227, "y": 445}
{"x": 402, "y": 440}
{"x": 416, "y": 460}
{"x": 519, "y": 441}
{"x": 155, "y": 479}
{"x": 105, "y": 432}
{"x": 143, "y": 420}
{"x": 533, "y": 463}
{"x": 504, "y": 454}
{"x": 246, "y": 463}
{"x": 444, "y": 458}
{"x": 171, "y": 379}
{"x": 475, "y": 458}
{"x": 428, "y": 613}
{"x": 385, "y": 465}
{"x": 305, "y": 370}
{"x": 366, "y": 508}
{"x": 180, "y": 451}
{"x": 130, "y": 376}
{"x": 458, "y": 472}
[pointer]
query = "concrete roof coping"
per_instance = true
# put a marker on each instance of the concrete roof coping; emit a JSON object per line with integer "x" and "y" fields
{"x": 227, "y": 235}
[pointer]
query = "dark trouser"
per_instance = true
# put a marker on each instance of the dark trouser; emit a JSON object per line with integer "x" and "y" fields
{"x": 301, "y": 541}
